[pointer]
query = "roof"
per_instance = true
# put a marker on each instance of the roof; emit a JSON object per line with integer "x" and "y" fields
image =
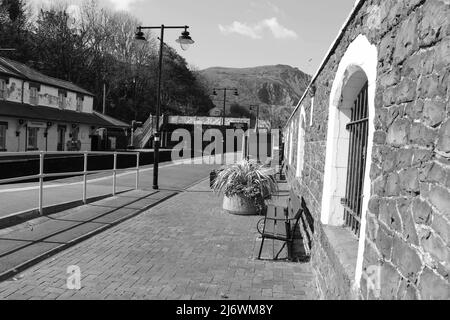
{"x": 110, "y": 119}
{"x": 26, "y": 111}
{"x": 5, "y": 70}
{"x": 22, "y": 71}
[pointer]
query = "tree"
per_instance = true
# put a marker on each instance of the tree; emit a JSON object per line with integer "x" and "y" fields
{"x": 95, "y": 48}
{"x": 58, "y": 49}
{"x": 14, "y": 29}
{"x": 238, "y": 111}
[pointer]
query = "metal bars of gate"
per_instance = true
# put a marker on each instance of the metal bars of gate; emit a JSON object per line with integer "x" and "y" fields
{"x": 42, "y": 175}
{"x": 358, "y": 132}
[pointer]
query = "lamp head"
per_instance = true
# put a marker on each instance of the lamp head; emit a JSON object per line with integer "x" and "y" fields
{"x": 139, "y": 36}
{"x": 185, "y": 40}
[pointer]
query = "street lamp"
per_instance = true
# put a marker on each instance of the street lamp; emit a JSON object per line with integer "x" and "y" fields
{"x": 185, "y": 41}
{"x": 252, "y": 107}
{"x": 236, "y": 93}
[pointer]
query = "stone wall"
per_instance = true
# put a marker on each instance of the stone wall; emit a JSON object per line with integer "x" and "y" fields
{"x": 408, "y": 221}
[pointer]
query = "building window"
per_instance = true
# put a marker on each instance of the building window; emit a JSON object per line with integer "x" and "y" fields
{"x": 34, "y": 97}
{"x": 3, "y": 89}
{"x": 75, "y": 133}
{"x": 61, "y": 138}
{"x": 32, "y": 138}
{"x": 62, "y": 100}
{"x": 79, "y": 103}
{"x": 358, "y": 130}
{"x": 3, "y": 128}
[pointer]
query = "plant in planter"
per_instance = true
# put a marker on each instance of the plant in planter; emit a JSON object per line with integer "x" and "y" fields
{"x": 245, "y": 185}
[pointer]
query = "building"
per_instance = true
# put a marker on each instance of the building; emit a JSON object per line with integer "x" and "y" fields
{"x": 168, "y": 125}
{"x": 38, "y": 112}
{"x": 368, "y": 148}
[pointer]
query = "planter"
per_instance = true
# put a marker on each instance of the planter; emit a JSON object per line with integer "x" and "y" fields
{"x": 239, "y": 206}
{"x": 212, "y": 176}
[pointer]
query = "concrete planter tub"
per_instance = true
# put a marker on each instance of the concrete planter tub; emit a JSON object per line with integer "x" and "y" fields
{"x": 239, "y": 206}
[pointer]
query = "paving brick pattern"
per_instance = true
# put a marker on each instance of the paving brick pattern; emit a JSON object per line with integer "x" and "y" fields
{"x": 184, "y": 248}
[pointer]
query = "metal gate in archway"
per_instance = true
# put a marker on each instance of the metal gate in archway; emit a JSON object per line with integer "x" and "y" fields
{"x": 357, "y": 154}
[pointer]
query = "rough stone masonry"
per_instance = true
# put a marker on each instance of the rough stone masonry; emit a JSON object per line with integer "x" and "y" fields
{"x": 408, "y": 216}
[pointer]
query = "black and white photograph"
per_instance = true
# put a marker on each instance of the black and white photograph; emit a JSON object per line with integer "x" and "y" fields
{"x": 225, "y": 156}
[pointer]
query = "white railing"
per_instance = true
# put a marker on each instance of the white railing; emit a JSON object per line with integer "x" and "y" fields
{"x": 141, "y": 134}
{"x": 41, "y": 176}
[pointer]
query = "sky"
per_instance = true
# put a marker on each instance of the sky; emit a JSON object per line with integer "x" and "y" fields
{"x": 246, "y": 33}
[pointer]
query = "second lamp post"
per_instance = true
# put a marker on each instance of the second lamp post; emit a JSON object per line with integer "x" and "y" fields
{"x": 253, "y": 107}
{"x": 185, "y": 41}
{"x": 223, "y": 114}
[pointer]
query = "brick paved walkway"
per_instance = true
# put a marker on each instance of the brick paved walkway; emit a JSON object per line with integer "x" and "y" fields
{"x": 184, "y": 248}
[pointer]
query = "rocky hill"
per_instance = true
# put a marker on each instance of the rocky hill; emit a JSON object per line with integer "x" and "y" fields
{"x": 278, "y": 85}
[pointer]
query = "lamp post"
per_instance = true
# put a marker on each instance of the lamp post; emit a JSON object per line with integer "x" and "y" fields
{"x": 236, "y": 93}
{"x": 252, "y": 107}
{"x": 185, "y": 41}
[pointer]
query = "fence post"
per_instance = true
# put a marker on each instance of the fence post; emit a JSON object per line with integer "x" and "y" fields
{"x": 137, "y": 171}
{"x": 85, "y": 178}
{"x": 114, "y": 174}
{"x": 41, "y": 182}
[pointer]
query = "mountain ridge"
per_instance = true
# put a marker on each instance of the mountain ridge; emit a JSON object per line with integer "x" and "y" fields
{"x": 273, "y": 85}
{"x": 275, "y": 88}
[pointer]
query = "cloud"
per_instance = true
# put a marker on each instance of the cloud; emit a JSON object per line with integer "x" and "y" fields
{"x": 256, "y": 31}
{"x": 278, "y": 30}
{"x": 122, "y": 4}
{"x": 242, "y": 29}
{"x": 274, "y": 7}
{"x": 266, "y": 6}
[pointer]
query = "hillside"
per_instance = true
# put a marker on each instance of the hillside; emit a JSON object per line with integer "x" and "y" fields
{"x": 277, "y": 87}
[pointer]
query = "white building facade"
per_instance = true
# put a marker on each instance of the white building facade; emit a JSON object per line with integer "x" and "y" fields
{"x": 38, "y": 112}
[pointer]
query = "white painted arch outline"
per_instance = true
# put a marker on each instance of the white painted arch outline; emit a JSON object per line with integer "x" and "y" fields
{"x": 301, "y": 142}
{"x": 362, "y": 55}
{"x": 291, "y": 143}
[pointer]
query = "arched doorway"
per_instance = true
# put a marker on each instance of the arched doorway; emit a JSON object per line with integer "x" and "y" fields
{"x": 355, "y": 138}
{"x": 348, "y": 161}
{"x": 346, "y": 187}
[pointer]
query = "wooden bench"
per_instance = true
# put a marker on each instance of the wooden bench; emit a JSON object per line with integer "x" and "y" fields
{"x": 280, "y": 224}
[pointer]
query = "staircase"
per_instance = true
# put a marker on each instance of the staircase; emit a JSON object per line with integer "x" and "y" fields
{"x": 143, "y": 135}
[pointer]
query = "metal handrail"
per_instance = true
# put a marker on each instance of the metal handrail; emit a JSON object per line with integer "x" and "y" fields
{"x": 2, "y": 154}
{"x": 41, "y": 176}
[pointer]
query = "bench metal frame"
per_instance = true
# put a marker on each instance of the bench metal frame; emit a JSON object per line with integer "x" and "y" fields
{"x": 287, "y": 231}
